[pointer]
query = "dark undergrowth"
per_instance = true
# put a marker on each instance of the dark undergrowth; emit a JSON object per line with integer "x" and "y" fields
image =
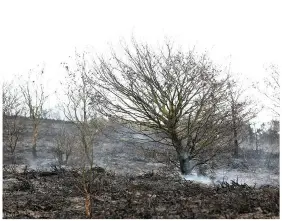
{"x": 57, "y": 194}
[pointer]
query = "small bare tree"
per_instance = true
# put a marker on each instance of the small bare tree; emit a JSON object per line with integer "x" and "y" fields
{"x": 65, "y": 145}
{"x": 79, "y": 109}
{"x": 242, "y": 109}
{"x": 34, "y": 99}
{"x": 13, "y": 126}
{"x": 179, "y": 95}
{"x": 271, "y": 89}
{"x": 258, "y": 132}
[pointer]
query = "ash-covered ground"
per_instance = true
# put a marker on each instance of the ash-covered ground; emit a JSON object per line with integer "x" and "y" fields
{"x": 116, "y": 148}
{"x": 56, "y": 194}
{"x": 138, "y": 181}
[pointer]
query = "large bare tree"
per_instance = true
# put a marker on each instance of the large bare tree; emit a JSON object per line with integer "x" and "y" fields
{"x": 34, "y": 98}
{"x": 181, "y": 96}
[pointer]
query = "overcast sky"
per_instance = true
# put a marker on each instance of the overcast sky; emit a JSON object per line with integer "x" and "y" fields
{"x": 245, "y": 33}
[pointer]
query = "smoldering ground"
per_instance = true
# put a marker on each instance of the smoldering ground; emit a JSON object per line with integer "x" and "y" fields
{"x": 134, "y": 183}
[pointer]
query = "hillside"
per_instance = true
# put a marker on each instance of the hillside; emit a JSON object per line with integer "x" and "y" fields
{"x": 133, "y": 180}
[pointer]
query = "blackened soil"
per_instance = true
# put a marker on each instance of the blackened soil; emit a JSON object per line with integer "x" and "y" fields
{"x": 59, "y": 195}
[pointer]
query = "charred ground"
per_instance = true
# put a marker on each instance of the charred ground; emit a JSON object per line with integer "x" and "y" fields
{"x": 133, "y": 180}
{"x": 56, "y": 194}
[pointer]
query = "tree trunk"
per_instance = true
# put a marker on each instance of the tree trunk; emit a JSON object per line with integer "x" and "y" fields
{"x": 236, "y": 144}
{"x": 60, "y": 157}
{"x": 235, "y": 134}
{"x": 13, "y": 158}
{"x": 183, "y": 156}
{"x": 34, "y": 153}
{"x": 236, "y": 148}
{"x": 257, "y": 144}
{"x": 185, "y": 164}
{"x": 66, "y": 158}
{"x": 34, "y": 141}
{"x": 88, "y": 206}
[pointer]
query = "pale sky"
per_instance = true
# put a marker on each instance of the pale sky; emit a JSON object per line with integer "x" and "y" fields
{"x": 245, "y": 33}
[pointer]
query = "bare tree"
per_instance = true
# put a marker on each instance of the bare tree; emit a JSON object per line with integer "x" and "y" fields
{"x": 258, "y": 132}
{"x": 13, "y": 126}
{"x": 180, "y": 96}
{"x": 65, "y": 144}
{"x": 34, "y": 98}
{"x": 243, "y": 109}
{"x": 271, "y": 89}
{"x": 79, "y": 109}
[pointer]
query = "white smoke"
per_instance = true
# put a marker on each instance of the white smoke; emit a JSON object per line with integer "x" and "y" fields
{"x": 255, "y": 178}
{"x": 198, "y": 178}
{"x": 40, "y": 164}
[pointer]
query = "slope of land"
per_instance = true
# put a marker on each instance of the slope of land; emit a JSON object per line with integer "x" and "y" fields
{"x": 141, "y": 183}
